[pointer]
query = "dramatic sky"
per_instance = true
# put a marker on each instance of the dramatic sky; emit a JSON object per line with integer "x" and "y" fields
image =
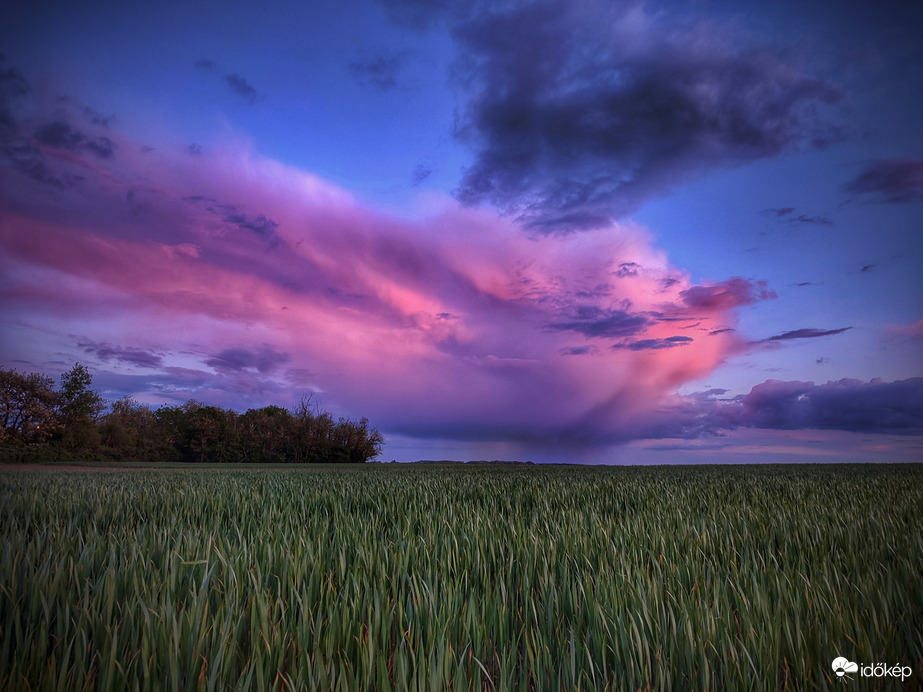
{"x": 562, "y": 230}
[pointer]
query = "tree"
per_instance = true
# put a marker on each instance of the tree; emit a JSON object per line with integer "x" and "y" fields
{"x": 209, "y": 434}
{"x": 266, "y": 435}
{"x": 79, "y": 408}
{"x": 127, "y": 430}
{"x": 27, "y": 407}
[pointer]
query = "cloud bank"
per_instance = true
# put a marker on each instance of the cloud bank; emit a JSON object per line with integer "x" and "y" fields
{"x": 844, "y": 405}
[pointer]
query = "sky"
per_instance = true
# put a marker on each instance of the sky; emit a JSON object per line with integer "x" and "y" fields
{"x": 560, "y": 231}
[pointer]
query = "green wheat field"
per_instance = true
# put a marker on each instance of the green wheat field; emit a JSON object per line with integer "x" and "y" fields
{"x": 459, "y": 577}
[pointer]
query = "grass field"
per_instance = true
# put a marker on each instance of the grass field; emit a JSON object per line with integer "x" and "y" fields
{"x": 460, "y": 577}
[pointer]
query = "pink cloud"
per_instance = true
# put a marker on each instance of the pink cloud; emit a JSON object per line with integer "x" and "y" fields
{"x": 453, "y": 324}
{"x": 906, "y": 331}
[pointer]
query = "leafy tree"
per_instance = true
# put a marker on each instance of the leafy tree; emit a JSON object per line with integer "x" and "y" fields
{"x": 79, "y": 409}
{"x": 208, "y": 433}
{"x": 27, "y": 407}
{"x": 266, "y": 435}
{"x": 127, "y": 430}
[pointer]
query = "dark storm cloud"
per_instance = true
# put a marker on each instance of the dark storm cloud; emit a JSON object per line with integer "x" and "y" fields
{"x": 890, "y": 180}
{"x": 379, "y": 71}
{"x": 206, "y": 64}
{"x": 593, "y": 321}
{"x": 242, "y": 87}
{"x": 806, "y": 334}
{"x": 129, "y": 355}
{"x": 265, "y": 360}
{"x": 578, "y": 114}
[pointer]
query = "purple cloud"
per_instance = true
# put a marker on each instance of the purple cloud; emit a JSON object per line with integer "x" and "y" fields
{"x": 130, "y": 355}
{"x": 731, "y": 293}
{"x": 593, "y": 321}
{"x": 420, "y": 173}
{"x": 241, "y": 87}
{"x": 807, "y": 333}
{"x": 779, "y": 212}
{"x": 845, "y": 405}
{"x": 61, "y": 135}
{"x": 265, "y": 360}
{"x": 890, "y": 180}
{"x": 655, "y": 344}
{"x": 785, "y": 214}
{"x": 256, "y": 224}
{"x": 873, "y": 406}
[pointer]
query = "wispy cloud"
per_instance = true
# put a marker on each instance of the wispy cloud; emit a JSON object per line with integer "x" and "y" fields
{"x": 787, "y": 215}
{"x": 906, "y": 331}
{"x": 656, "y": 344}
{"x": 238, "y": 84}
{"x": 131, "y": 355}
{"x": 242, "y": 87}
{"x": 379, "y": 71}
{"x": 806, "y": 333}
{"x": 266, "y": 359}
{"x": 420, "y": 173}
{"x": 894, "y": 181}
{"x": 62, "y": 135}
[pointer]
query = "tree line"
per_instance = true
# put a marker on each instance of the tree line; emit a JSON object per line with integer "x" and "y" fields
{"x": 42, "y": 422}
